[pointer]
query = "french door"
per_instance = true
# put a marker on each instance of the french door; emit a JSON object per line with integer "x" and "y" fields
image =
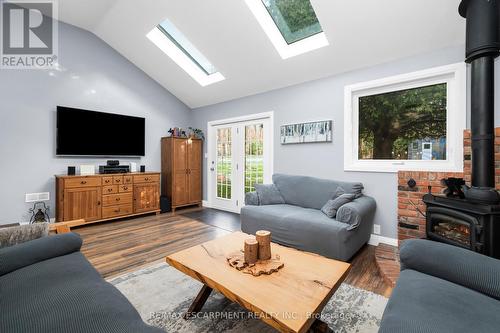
{"x": 240, "y": 157}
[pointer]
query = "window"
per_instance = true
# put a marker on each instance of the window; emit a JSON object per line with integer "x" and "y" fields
{"x": 295, "y": 19}
{"x": 291, "y": 25}
{"x": 176, "y": 45}
{"x": 408, "y": 122}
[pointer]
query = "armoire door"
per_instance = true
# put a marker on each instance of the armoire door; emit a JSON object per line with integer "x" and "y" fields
{"x": 194, "y": 170}
{"x": 180, "y": 173}
{"x": 146, "y": 197}
{"x": 82, "y": 203}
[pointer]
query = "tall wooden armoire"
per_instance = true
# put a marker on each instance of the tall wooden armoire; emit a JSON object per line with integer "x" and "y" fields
{"x": 181, "y": 168}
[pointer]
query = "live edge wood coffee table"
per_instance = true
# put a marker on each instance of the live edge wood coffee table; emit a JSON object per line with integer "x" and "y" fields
{"x": 289, "y": 300}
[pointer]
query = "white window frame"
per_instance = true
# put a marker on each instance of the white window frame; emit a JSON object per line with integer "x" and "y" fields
{"x": 272, "y": 31}
{"x": 455, "y": 76}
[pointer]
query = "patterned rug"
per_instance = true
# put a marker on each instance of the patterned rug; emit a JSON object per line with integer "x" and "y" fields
{"x": 162, "y": 294}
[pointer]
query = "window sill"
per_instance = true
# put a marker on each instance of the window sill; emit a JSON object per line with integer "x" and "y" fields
{"x": 394, "y": 167}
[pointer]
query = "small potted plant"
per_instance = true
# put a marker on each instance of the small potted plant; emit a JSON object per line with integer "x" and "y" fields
{"x": 196, "y": 133}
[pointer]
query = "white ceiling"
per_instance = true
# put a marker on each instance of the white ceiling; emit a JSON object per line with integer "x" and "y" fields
{"x": 361, "y": 33}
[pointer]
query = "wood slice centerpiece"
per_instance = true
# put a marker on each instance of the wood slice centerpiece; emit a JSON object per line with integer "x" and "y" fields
{"x": 256, "y": 258}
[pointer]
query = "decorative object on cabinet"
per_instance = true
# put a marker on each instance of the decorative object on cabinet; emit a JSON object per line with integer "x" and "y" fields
{"x": 318, "y": 131}
{"x": 106, "y": 197}
{"x": 177, "y": 132}
{"x": 196, "y": 133}
{"x": 87, "y": 169}
{"x": 181, "y": 167}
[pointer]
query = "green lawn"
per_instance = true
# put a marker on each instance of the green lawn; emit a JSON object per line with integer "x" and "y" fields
{"x": 254, "y": 173}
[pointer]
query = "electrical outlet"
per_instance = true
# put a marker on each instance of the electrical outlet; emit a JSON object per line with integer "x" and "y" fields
{"x": 376, "y": 229}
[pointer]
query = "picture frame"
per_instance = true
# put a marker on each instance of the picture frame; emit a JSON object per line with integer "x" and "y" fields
{"x": 307, "y": 132}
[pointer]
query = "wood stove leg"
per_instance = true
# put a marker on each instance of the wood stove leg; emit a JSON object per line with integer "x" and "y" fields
{"x": 319, "y": 326}
{"x": 198, "y": 302}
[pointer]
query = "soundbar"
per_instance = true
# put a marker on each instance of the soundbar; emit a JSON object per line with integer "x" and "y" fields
{"x": 108, "y": 169}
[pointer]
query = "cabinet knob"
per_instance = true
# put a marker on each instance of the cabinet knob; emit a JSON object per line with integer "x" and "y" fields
{"x": 146, "y": 179}
{"x": 83, "y": 182}
{"x": 125, "y": 188}
{"x": 117, "y": 199}
{"x": 110, "y": 190}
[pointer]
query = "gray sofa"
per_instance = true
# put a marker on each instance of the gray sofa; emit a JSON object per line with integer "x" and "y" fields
{"x": 299, "y": 222}
{"x": 443, "y": 288}
{"x": 47, "y": 285}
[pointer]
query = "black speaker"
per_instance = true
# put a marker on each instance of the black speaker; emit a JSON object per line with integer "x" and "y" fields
{"x": 165, "y": 204}
{"x": 71, "y": 171}
{"x": 143, "y": 168}
{"x": 483, "y": 28}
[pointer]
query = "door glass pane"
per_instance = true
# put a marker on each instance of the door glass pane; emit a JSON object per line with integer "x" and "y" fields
{"x": 224, "y": 163}
{"x": 407, "y": 124}
{"x": 254, "y": 156}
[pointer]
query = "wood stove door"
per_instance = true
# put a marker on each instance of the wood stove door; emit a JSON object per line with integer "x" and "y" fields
{"x": 454, "y": 227}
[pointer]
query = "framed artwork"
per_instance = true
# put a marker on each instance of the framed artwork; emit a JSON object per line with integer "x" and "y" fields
{"x": 311, "y": 132}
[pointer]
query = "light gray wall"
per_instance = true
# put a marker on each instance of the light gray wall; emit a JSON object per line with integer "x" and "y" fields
{"x": 324, "y": 99}
{"x": 93, "y": 76}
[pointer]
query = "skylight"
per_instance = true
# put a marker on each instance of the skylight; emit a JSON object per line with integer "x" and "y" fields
{"x": 291, "y": 25}
{"x": 295, "y": 19}
{"x": 176, "y": 45}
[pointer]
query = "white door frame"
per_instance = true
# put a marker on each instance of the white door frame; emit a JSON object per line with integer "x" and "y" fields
{"x": 210, "y": 146}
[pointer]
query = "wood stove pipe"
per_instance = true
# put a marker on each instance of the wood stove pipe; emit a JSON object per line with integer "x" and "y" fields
{"x": 482, "y": 47}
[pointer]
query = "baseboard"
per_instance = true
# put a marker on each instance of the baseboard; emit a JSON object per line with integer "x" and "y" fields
{"x": 377, "y": 239}
{"x": 205, "y": 203}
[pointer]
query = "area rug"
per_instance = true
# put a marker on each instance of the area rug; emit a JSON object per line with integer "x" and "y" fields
{"x": 161, "y": 294}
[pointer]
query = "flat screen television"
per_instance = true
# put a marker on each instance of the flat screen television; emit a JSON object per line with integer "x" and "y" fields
{"x": 91, "y": 133}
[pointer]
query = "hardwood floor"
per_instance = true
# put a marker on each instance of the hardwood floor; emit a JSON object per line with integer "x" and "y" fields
{"x": 122, "y": 246}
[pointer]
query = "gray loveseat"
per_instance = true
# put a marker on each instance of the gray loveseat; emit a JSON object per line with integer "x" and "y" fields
{"x": 299, "y": 222}
{"x": 445, "y": 289}
{"x": 47, "y": 285}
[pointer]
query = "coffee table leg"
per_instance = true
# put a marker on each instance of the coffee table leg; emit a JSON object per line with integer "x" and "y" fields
{"x": 319, "y": 326}
{"x": 198, "y": 302}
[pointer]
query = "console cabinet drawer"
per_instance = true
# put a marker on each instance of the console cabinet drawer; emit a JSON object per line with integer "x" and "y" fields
{"x": 146, "y": 179}
{"x": 112, "y": 189}
{"x": 127, "y": 179}
{"x": 118, "y": 180}
{"x": 117, "y": 199}
{"x": 125, "y": 188}
{"x": 114, "y": 211}
{"x": 107, "y": 181}
{"x": 82, "y": 182}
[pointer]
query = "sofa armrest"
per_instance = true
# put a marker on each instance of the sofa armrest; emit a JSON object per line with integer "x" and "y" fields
{"x": 354, "y": 212}
{"x": 251, "y": 199}
{"x": 457, "y": 265}
{"x": 29, "y": 253}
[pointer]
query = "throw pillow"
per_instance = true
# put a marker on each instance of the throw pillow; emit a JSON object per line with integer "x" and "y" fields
{"x": 269, "y": 194}
{"x": 338, "y": 192}
{"x": 331, "y": 207}
{"x": 15, "y": 235}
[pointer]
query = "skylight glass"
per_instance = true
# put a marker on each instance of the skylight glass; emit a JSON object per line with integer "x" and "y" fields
{"x": 173, "y": 43}
{"x": 291, "y": 25}
{"x": 295, "y": 19}
{"x": 178, "y": 38}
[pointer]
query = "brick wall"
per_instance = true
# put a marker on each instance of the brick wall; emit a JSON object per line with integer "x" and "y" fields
{"x": 411, "y": 222}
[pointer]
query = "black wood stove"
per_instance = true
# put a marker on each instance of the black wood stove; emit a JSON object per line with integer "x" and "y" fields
{"x": 474, "y": 221}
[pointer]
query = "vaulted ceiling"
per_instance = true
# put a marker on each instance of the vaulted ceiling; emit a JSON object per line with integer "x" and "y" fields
{"x": 361, "y": 33}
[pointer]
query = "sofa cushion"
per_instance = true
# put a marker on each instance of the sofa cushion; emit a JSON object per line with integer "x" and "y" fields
{"x": 16, "y": 235}
{"x": 268, "y": 194}
{"x": 311, "y": 192}
{"x": 423, "y": 303}
{"x": 331, "y": 206}
{"x": 65, "y": 294}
